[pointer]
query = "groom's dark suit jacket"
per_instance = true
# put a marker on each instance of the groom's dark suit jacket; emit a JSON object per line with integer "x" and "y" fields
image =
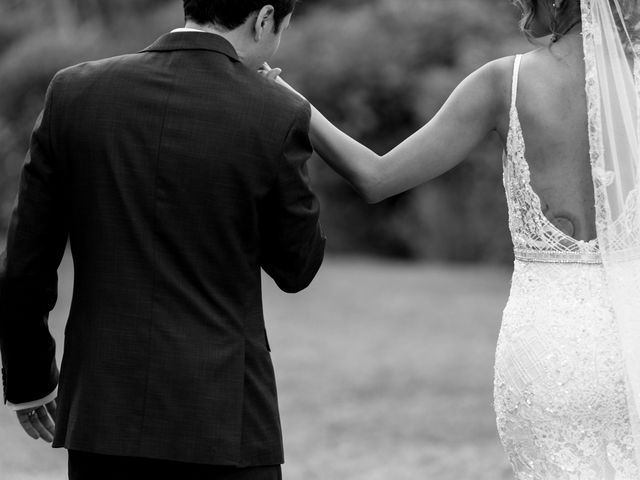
{"x": 176, "y": 174}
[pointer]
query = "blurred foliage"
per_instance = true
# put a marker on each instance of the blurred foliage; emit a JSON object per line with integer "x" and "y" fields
{"x": 380, "y": 69}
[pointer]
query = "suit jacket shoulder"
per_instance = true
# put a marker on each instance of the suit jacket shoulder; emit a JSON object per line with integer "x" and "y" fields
{"x": 86, "y": 73}
{"x": 276, "y": 99}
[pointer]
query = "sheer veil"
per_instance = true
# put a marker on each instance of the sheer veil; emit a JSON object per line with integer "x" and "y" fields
{"x": 612, "y": 58}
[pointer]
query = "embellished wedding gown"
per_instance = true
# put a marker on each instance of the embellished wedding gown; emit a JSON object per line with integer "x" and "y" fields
{"x": 560, "y": 398}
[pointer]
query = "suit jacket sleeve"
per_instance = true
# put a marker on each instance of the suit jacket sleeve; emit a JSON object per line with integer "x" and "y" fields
{"x": 28, "y": 271}
{"x": 292, "y": 239}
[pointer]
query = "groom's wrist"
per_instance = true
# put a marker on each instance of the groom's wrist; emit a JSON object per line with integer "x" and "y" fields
{"x": 35, "y": 403}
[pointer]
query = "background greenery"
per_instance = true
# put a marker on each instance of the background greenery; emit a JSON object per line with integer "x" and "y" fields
{"x": 379, "y": 68}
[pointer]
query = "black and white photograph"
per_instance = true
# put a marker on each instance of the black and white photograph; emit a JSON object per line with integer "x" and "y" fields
{"x": 320, "y": 239}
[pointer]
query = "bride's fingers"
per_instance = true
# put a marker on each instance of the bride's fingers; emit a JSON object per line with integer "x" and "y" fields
{"x": 268, "y": 72}
{"x": 274, "y": 73}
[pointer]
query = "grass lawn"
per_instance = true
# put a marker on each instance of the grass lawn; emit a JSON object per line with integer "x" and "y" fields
{"x": 384, "y": 369}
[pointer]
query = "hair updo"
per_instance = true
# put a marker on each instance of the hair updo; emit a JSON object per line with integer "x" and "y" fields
{"x": 569, "y": 11}
{"x": 528, "y": 8}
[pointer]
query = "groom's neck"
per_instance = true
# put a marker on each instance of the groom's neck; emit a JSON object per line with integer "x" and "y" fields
{"x": 206, "y": 28}
{"x": 237, "y": 37}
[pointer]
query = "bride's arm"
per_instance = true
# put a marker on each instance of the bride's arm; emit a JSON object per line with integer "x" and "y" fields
{"x": 449, "y": 138}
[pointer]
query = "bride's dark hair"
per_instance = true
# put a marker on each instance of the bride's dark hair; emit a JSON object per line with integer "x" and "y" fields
{"x": 568, "y": 12}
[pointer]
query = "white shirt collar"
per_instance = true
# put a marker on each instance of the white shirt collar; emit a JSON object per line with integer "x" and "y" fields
{"x": 185, "y": 29}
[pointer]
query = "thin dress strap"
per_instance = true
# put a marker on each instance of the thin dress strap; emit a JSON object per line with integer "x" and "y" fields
{"x": 514, "y": 86}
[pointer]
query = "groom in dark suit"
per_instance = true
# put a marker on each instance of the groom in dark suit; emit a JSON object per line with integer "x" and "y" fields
{"x": 176, "y": 174}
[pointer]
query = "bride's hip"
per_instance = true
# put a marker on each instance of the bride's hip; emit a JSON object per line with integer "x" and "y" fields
{"x": 559, "y": 317}
{"x": 580, "y": 361}
{"x": 566, "y": 322}
{"x": 567, "y": 294}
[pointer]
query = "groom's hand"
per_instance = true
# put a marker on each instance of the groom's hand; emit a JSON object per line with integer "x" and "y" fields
{"x": 39, "y": 422}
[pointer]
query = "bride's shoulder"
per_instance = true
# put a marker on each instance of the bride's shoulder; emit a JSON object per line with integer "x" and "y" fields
{"x": 496, "y": 77}
{"x": 492, "y": 80}
{"x": 498, "y": 71}
{"x": 487, "y": 91}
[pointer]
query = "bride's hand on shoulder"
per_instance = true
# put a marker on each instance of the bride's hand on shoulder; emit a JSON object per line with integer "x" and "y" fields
{"x": 269, "y": 73}
{"x": 275, "y": 75}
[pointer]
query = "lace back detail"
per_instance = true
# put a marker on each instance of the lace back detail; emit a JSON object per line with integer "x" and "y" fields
{"x": 534, "y": 237}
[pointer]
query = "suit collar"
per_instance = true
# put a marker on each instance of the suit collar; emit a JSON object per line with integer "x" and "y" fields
{"x": 183, "y": 40}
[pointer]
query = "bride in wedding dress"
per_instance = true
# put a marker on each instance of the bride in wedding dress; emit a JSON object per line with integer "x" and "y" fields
{"x": 567, "y": 371}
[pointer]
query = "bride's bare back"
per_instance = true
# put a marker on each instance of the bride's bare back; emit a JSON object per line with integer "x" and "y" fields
{"x": 552, "y": 107}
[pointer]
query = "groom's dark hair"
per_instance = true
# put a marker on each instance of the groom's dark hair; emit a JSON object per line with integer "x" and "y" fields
{"x": 230, "y": 14}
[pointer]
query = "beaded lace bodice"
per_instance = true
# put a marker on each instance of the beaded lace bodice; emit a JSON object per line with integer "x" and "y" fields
{"x": 534, "y": 237}
{"x": 560, "y": 396}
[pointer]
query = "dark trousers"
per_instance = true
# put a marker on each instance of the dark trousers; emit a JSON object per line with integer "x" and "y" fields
{"x": 92, "y": 466}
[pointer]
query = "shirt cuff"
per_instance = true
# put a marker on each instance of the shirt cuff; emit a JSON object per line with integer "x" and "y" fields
{"x": 36, "y": 403}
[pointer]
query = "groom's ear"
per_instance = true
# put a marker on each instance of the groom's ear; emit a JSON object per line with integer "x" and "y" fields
{"x": 264, "y": 21}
